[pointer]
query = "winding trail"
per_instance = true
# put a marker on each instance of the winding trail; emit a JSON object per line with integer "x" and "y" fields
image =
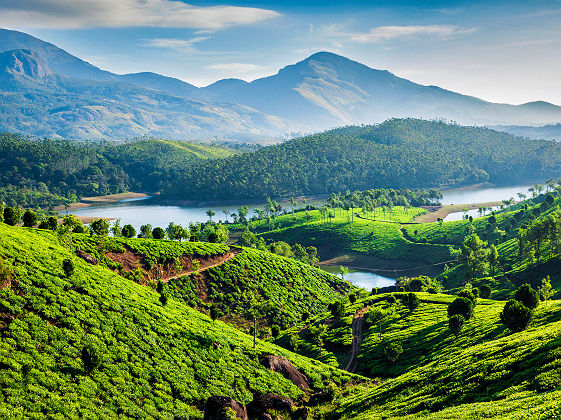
{"x": 358, "y": 322}
{"x": 226, "y": 257}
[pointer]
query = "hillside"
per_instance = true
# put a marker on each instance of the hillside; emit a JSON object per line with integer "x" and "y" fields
{"x": 45, "y": 173}
{"x": 397, "y": 153}
{"x": 157, "y": 360}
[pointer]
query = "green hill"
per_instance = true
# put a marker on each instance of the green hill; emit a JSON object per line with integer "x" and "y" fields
{"x": 156, "y": 361}
{"x": 397, "y": 153}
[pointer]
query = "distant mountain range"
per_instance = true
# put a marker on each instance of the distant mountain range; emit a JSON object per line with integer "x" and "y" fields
{"x": 46, "y": 91}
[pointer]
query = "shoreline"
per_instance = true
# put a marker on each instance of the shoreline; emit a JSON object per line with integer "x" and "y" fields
{"x": 102, "y": 199}
{"x": 435, "y": 212}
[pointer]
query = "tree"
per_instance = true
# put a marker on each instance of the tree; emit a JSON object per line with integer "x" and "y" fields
{"x": 305, "y": 316}
{"x": 73, "y": 223}
{"x": 456, "y": 323}
{"x": 145, "y": 231}
{"x": 248, "y": 238}
{"x": 52, "y": 223}
{"x": 163, "y": 298}
{"x": 392, "y": 351}
{"x": 29, "y": 218}
{"x": 411, "y": 301}
{"x": 461, "y": 306}
{"x": 475, "y": 255}
{"x": 158, "y": 233}
{"x": 2, "y": 207}
{"x": 242, "y": 212}
{"x": 11, "y": 216}
{"x": 91, "y": 357}
{"x": 214, "y": 312}
{"x": 275, "y": 330}
{"x": 128, "y": 231}
{"x": 416, "y": 285}
{"x": 116, "y": 229}
{"x": 337, "y": 309}
{"x": 545, "y": 290}
{"x": 100, "y": 227}
{"x": 493, "y": 258}
{"x": 210, "y": 213}
{"x": 343, "y": 271}
{"x": 527, "y": 296}
{"x": 68, "y": 267}
{"x": 170, "y": 231}
{"x": 516, "y": 316}
{"x": 485, "y": 291}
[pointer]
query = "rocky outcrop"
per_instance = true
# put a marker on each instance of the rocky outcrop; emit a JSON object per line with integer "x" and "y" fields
{"x": 281, "y": 365}
{"x": 261, "y": 404}
{"x": 219, "y": 407}
{"x": 86, "y": 257}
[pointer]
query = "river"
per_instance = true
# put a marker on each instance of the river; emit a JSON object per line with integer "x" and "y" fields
{"x": 364, "y": 279}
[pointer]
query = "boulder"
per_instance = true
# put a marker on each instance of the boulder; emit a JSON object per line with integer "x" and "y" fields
{"x": 217, "y": 407}
{"x": 281, "y": 365}
{"x": 260, "y": 405}
{"x": 86, "y": 257}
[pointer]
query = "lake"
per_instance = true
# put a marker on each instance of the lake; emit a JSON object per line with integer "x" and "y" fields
{"x": 138, "y": 212}
{"x": 364, "y": 279}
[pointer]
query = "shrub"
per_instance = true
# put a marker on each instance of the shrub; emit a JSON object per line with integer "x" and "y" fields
{"x": 337, "y": 309}
{"x": 527, "y": 296}
{"x": 29, "y": 218}
{"x": 91, "y": 357}
{"x": 352, "y": 297}
{"x": 391, "y": 299}
{"x": 11, "y": 216}
{"x": 392, "y": 351}
{"x": 213, "y": 238}
{"x": 416, "y": 285}
{"x": 164, "y": 299}
{"x": 516, "y": 316}
{"x": 214, "y": 312}
{"x": 485, "y": 291}
{"x": 100, "y": 227}
{"x": 305, "y": 315}
{"x": 158, "y": 233}
{"x": 52, "y": 223}
{"x": 468, "y": 295}
{"x": 461, "y": 306}
{"x": 68, "y": 267}
{"x": 411, "y": 301}
{"x": 128, "y": 231}
{"x": 456, "y": 323}
{"x": 275, "y": 330}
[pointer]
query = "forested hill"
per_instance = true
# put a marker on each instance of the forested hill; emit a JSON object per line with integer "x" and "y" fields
{"x": 397, "y": 153}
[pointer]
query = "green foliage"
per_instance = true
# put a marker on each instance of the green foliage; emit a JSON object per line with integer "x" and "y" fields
{"x": 68, "y": 267}
{"x": 11, "y": 216}
{"x": 29, "y": 218}
{"x": 128, "y": 231}
{"x": 456, "y": 323}
{"x": 91, "y": 357}
{"x": 527, "y": 296}
{"x": 461, "y": 306}
{"x": 485, "y": 291}
{"x": 411, "y": 301}
{"x": 158, "y": 233}
{"x": 337, "y": 309}
{"x": 516, "y": 316}
{"x": 545, "y": 290}
{"x": 392, "y": 351}
{"x": 100, "y": 227}
{"x": 397, "y": 153}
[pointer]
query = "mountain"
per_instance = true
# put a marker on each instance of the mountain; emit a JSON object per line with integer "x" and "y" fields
{"x": 320, "y": 92}
{"x": 326, "y": 90}
{"x": 36, "y": 101}
{"x": 546, "y": 132}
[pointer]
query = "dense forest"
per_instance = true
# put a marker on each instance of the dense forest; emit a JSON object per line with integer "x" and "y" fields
{"x": 44, "y": 172}
{"x": 397, "y": 153}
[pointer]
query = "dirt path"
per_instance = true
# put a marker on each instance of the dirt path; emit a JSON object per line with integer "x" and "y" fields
{"x": 358, "y": 322}
{"x": 226, "y": 257}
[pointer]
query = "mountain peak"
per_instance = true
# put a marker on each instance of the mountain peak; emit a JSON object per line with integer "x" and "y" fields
{"x": 23, "y": 62}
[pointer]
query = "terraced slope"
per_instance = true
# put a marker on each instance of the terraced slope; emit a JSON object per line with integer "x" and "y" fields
{"x": 156, "y": 361}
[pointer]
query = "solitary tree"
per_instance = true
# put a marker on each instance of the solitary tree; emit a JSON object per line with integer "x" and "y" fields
{"x": 461, "y": 306}
{"x": 100, "y": 227}
{"x": 515, "y": 316}
{"x": 68, "y": 267}
{"x": 11, "y": 216}
{"x": 527, "y": 296}
{"x": 343, "y": 271}
{"x": 158, "y": 233}
{"x": 456, "y": 323}
{"x": 128, "y": 231}
{"x": 29, "y": 218}
{"x": 392, "y": 351}
{"x": 210, "y": 213}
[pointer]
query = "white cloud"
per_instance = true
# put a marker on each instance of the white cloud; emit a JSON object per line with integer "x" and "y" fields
{"x": 236, "y": 68}
{"x": 174, "y": 43}
{"x": 386, "y": 33}
{"x": 65, "y": 14}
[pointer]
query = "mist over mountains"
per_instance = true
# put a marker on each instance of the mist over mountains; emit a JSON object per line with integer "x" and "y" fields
{"x": 46, "y": 91}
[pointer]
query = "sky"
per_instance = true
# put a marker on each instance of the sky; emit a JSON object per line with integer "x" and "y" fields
{"x": 502, "y": 51}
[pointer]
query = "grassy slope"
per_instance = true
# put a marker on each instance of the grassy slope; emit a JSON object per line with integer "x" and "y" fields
{"x": 157, "y": 361}
{"x": 436, "y": 370}
{"x": 289, "y": 287}
{"x": 374, "y": 238}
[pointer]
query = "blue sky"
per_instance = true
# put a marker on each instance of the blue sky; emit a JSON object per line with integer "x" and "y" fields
{"x": 504, "y": 51}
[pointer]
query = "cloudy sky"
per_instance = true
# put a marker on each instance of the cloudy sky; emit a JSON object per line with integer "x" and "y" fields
{"x": 503, "y": 51}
